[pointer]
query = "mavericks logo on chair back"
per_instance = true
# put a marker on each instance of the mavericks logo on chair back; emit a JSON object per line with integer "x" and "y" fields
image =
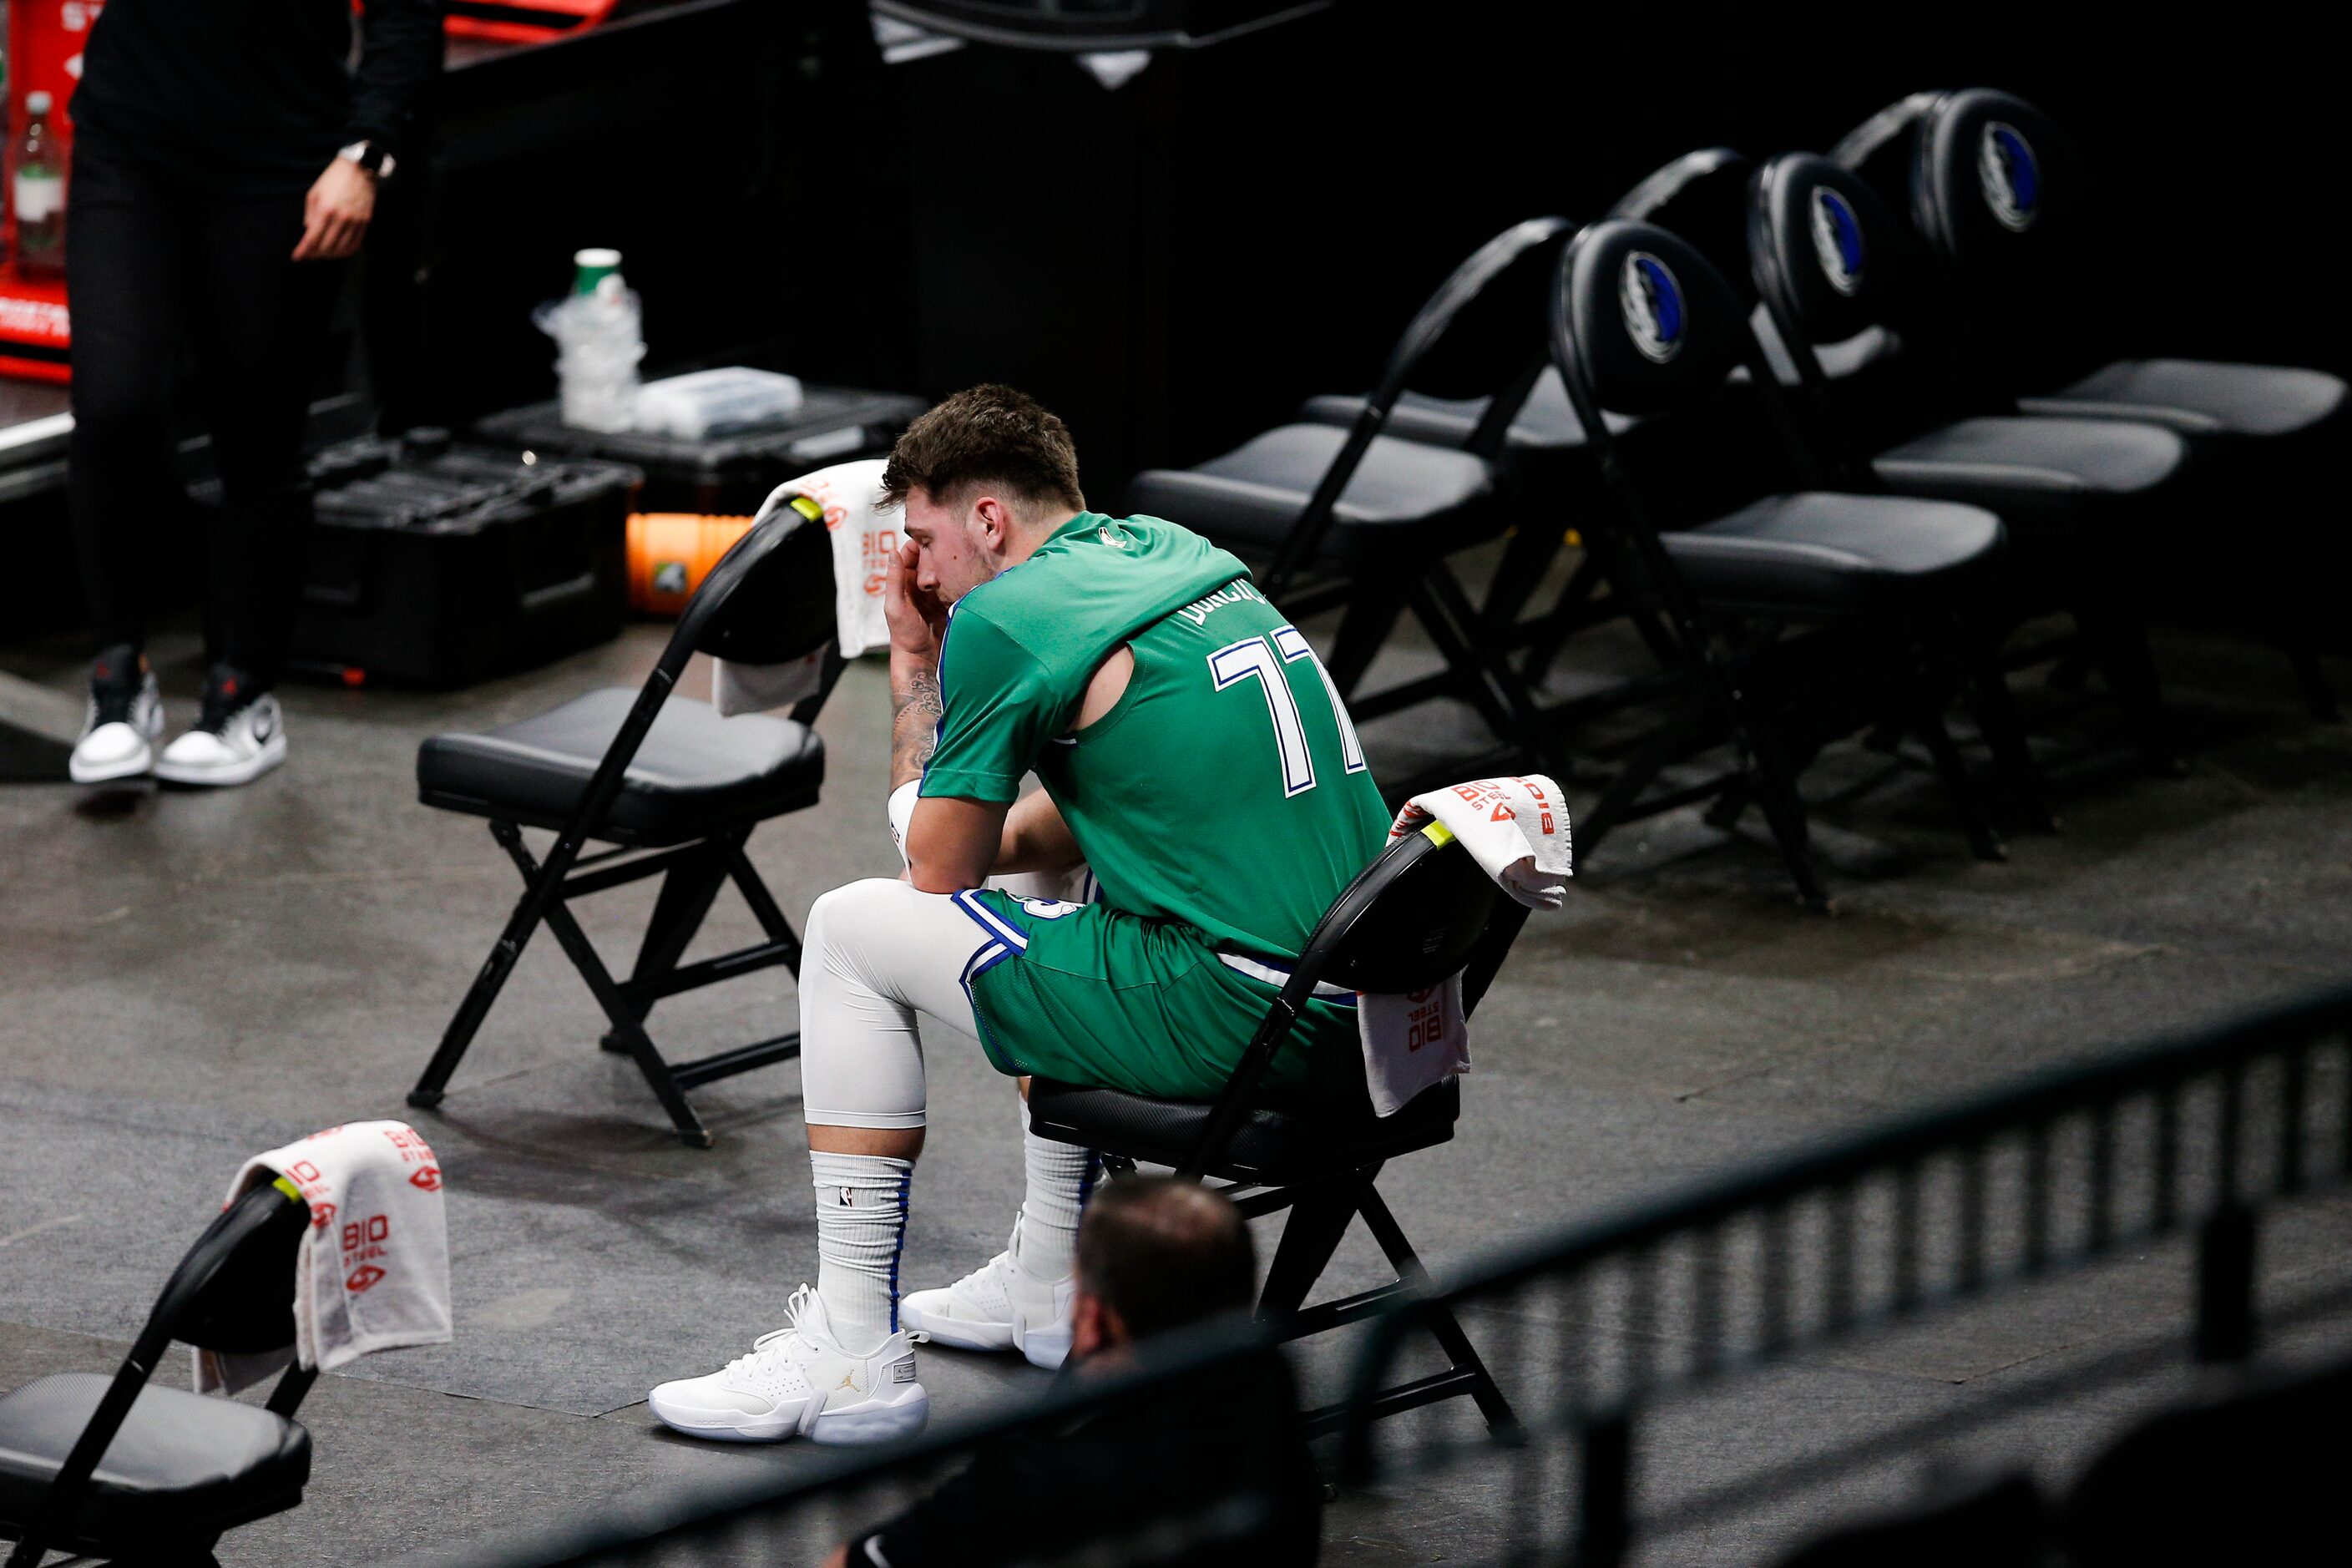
{"x": 1837, "y": 240}
{"x": 2011, "y": 174}
{"x": 1653, "y": 303}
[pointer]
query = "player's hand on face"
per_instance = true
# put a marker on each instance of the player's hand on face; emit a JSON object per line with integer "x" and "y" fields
{"x": 914, "y": 613}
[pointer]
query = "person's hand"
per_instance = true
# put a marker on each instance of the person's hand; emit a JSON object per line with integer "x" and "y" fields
{"x": 915, "y": 618}
{"x": 335, "y": 213}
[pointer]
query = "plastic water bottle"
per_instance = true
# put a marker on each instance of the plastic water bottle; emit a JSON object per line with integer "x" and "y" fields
{"x": 599, "y": 338}
{"x": 38, "y": 194}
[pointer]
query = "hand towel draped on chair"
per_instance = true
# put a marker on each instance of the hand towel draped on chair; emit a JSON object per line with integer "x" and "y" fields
{"x": 1517, "y": 830}
{"x": 372, "y": 1272}
{"x": 848, "y": 498}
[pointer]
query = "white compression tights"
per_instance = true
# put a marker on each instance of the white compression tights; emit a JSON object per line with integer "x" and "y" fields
{"x": 882, "y": 962}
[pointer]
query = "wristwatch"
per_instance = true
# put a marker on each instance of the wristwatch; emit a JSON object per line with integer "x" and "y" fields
{"x": 372, "y": 156}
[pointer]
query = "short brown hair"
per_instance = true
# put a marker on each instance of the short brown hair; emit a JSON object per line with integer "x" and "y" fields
{"x": 987, "y": 435}
{"x": 1163, "y": 1253}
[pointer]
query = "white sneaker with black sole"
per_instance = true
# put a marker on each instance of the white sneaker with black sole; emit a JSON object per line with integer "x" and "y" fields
{"x": 799, "y": 1382}
{"x": 117, "y": 728}
{"x": 1000, "y": 1306}
{"x": 235, "y": 741}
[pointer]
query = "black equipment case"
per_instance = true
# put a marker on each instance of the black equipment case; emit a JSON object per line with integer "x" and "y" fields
{"x": 721, "y": 474}
{"x": 438, "y": 565}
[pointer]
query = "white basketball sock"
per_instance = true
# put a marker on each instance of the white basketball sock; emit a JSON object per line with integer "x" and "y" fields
{"x": 1060, "y": 1177}
{"x": 861, "y": 1228}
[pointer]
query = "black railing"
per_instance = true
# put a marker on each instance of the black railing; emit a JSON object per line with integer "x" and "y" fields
{"x": 1641, "y": 1323}
{"x": 2187, "y": 1141}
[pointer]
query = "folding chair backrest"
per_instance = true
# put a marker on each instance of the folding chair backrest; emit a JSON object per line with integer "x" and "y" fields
{"x": 1478, "y": 336}
{"x": 1642, "y": 324}
{"x": 1994, "y": 187}
{"x": 1829, "y": 257}
{"x": 770, "y": 600}
{"x": 234, "y": 1292}
{"x": 1413, "y": 916}
{"x": 1879, "y": 149}
{"x": 1701, "y": 197}
{"x": 1485, "y": 324}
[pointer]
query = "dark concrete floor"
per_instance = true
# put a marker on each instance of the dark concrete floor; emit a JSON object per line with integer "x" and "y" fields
{"x": 189, "y": 977}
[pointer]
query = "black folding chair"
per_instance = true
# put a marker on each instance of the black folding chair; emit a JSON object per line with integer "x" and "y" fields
{"x": 122, "y": 1471}
{"x": 674, "y": 788}
{"x": 2005, "y": 200}
{"x": 1642, "y": 325}
{"x": 1420, "y": 913}
{"x": 1356, "y": 518}
{"x": 2079, "y": 495}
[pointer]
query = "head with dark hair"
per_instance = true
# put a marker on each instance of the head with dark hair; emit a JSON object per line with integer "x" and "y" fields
{"x": 1156, "y": 1254}
{"x": 984, "y": 479}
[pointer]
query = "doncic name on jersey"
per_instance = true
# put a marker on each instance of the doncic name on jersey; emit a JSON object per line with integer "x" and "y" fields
{"x": 1240, "y": 591}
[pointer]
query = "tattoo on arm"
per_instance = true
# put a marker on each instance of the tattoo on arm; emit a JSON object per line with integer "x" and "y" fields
{"x": 914, "y": 726}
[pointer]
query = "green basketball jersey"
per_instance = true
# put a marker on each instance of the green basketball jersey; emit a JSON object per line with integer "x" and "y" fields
{"x": 1226, "y": 789}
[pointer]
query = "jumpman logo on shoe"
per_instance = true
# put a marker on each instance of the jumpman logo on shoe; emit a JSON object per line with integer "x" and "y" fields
{"x": 848, "y": 1381}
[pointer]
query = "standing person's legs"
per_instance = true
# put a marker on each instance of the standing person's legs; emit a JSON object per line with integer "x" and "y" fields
{"x": 264, "y": 318}
{"x": 261, "y": 318}
{"x": 130, "y": 248}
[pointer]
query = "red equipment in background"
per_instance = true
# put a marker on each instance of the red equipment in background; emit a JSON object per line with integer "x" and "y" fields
{"x": 45, "y": 40}
{"x": 524, "y": 21}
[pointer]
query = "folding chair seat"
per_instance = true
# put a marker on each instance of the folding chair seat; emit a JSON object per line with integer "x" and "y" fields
{"x": 1421, "y": 912}
{"x": 1359, "y": 519}
{"x": 674, "y": 788}
{"x": 119, "y": 1469}
{"x": 1402, "y": 497}
{"x": 1822, "y": 552}
{"x": 1642, "y": 325}
{"x": 697, "y": 772}
{"x": 2201, "y": 399}
{"x": 1543, "y": 431}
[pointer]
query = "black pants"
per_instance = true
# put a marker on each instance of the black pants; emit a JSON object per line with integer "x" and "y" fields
{"x": 153, "y": 266}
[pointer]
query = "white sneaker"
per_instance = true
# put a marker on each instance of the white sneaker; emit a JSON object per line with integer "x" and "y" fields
{"x": 798, "y": 1380}
{"x": 118, "y": 730}
{"x": 235, "y": 742}
{"x": 998, "y": 1306}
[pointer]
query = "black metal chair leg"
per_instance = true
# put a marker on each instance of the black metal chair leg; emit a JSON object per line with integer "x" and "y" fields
{"x": 1364, "y": 626}
{"x": 763, "y": 904}
{"x": 2318, "y": 695}
{"x": 2004, "y": 733}
{"x": 1925, "y": 706}
{"x": 1442, "y": 1324}
{"x": 2119, "y": 648}
{"x": 1519, "y": 574}
{"x": 632, "y": 1034}
{"x": 687, "y": 891}
{"x": 1549, "y": 634}
{"x": 1784, "y": 813}
{"x": 1318, "y": 1219}
{"x": 528, "y": 910}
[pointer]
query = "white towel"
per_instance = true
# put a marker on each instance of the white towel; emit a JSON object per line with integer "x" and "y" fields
{"x": 865, "y": 542}
{"x": 372, "y": 1271}
{"x": 1517, "y": 830}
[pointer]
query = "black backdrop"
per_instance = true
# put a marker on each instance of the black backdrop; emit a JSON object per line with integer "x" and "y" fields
{"x": 1174, "y": 264}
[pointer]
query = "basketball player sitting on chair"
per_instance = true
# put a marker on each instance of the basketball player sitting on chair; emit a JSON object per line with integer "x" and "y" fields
{"x": 1195, "y": 758}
